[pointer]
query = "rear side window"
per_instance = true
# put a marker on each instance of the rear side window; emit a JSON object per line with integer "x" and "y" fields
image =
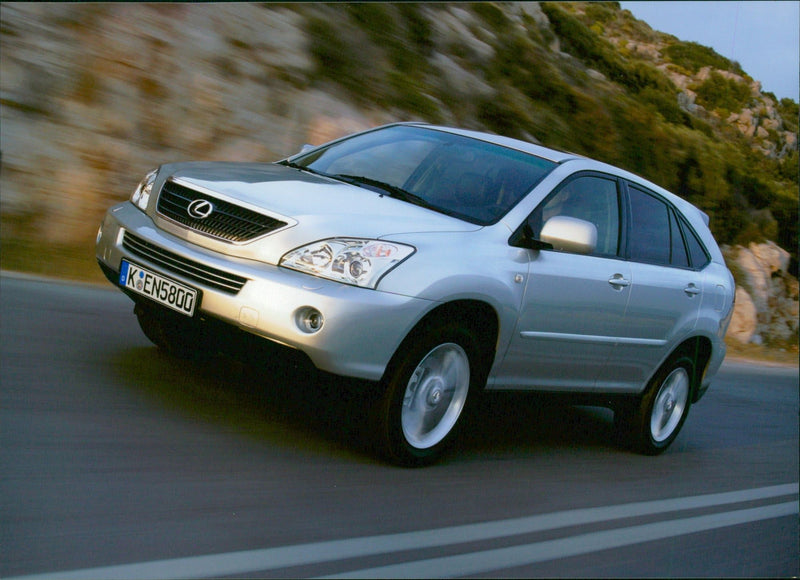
{"x": 660, "y": 235}
{"x": 650, "y": 236}
{"x": 678, "y": 256}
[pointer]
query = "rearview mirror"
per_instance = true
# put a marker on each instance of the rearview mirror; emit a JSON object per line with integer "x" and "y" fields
{"x": 570, "y": 234}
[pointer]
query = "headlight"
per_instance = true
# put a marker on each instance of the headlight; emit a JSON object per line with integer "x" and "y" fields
{"x": 141, "y": 195}
{"x": 352, "y": 261}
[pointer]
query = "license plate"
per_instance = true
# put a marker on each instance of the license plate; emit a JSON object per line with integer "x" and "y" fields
{"x": 163, "y": 290}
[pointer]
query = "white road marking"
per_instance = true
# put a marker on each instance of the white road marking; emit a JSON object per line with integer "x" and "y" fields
{"x": 476, "y": 563}
{"x": 253, "y": 561}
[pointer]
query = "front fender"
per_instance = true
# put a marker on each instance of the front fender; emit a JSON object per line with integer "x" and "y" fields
{"x": 492, "y": 273}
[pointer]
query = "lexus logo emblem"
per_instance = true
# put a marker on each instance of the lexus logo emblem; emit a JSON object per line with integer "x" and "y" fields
{"x": 200, "y": 209}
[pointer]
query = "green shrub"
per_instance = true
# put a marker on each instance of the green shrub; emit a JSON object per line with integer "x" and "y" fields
{"x": 602, "y": 12}
{"x": 523, "y": 64}
{"x": 589, "y": 46}
{"x": 347, "y": 59}
{"x": 720, "y": 93}
{"x": 693, "y": 56}
{"x": 666, "y": 105}
{"x": 790, "y": 113}
{"x": 418, "y": 28}
{"x": 503, "y": 114}
{"x": 577, "y": 38}
{"x": 493, "y": 16}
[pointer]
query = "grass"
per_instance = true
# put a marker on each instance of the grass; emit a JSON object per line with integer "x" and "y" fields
{"x": 786, "y": 354}
{"x": 69, "y": 262}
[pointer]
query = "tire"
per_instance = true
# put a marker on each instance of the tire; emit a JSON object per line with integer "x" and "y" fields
{"x": 170, "y": 333}
{"x": 425, "y": 392}
{"x": 655, "y": 422}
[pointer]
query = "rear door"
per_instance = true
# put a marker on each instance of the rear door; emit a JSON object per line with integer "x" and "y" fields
{"x": 666, "y": 290}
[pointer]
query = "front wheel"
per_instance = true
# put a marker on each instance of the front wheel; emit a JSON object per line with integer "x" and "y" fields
{"x": 654, "y": 424}
{"x": 425, "y": 392}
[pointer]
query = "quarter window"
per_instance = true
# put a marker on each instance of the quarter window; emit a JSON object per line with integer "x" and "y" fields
{"x": 696, "y": 249}
{"x": 678, "y": 255}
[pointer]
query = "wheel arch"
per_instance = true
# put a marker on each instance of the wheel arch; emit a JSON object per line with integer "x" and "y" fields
{"x": 697, "y": 348}
{"x": 477, "y": 316}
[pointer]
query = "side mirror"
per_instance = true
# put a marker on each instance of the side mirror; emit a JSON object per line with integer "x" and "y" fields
{"x": 570, "y": 234}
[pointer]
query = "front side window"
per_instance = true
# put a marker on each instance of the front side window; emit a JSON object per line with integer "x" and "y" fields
{"x": 590, "y": 198}
{"x": 460, "y": 176}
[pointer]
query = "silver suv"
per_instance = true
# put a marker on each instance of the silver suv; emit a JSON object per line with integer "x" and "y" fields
{"x": 436, "y": 263}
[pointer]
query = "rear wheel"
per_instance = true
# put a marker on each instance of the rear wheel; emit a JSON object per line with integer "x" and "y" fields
{"x": 654, "y": 423}
{"x": 425, "y": 391}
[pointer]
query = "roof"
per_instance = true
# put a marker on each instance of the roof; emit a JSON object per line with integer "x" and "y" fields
{"x": 524, "y": 146}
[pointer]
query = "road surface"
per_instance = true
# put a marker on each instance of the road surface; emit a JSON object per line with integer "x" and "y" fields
{"x": 117, "y": 461}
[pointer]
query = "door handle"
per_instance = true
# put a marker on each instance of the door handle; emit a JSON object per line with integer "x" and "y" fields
{"x": 618, "y": 282}
{"x": 691, "y": 290}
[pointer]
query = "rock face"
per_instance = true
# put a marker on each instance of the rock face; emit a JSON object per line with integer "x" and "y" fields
{"x": 94, "y": 96}
{"x": 766, "y": 295}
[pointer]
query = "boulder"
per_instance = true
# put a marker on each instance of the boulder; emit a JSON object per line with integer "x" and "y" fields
{"x": 766, "y": 294}
{"x": 745, "y": 318}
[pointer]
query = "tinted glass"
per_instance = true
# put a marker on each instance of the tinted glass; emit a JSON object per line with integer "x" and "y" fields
{"x": 650, "y": 229}
{"x": 590, "y": 198}
{"x": 696, "y": 249}
{"x": 460, "y": 176}
{"x": 679, "y": 256}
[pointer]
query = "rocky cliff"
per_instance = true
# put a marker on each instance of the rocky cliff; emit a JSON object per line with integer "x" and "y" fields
{"x": 766, "y": 295}
{"x": 92, "y": 96}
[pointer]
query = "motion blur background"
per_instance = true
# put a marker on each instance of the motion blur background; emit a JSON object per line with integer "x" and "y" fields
{"x": 95, "y": 95}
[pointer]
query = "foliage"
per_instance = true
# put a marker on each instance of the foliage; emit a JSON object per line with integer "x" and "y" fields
{"x": 790, "y": 113}
{"x": 602, "y": 12}
{"x": 493, "y": 16}
{"x": 523, "y": 65}
{"x": 341, "y": 60}
{"x": 384, "y": 24}
{"x": 589, "y": 46}
{"x": 693, "y": 56}
{"x": 724, "y": 94}
{"x": 381, "y": 58}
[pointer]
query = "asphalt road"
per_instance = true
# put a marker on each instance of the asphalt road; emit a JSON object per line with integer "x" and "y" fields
{"x": 119, "y": 462}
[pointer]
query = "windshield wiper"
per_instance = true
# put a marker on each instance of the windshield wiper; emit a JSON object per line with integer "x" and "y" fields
{"x": 386, "y": 188}
{"x": 294, "y": 165}
{"x": 392, "y": 190}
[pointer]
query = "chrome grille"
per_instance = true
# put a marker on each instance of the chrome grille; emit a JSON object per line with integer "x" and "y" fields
{"x": 228, "y": 221}
{"x": 196, "y": 271}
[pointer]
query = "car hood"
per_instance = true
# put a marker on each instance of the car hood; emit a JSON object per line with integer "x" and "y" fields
{"x": 315, "y": 206}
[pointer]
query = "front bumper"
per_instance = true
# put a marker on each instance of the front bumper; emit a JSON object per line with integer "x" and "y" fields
{"x": 362, "y": 327}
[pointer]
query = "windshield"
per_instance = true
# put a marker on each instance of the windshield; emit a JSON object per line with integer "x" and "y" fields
{"x": 460, "y": 176}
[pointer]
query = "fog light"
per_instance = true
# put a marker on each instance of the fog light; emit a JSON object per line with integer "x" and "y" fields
{"x": 310, "y": 320}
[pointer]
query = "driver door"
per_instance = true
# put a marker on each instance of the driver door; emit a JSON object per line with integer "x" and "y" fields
{"x": 574, "y": 305}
